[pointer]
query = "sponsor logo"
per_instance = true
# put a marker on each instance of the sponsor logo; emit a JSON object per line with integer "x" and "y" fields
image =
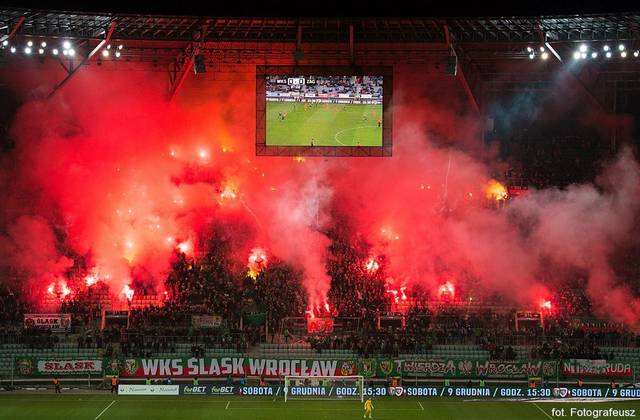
{"x": 188, "y": 389}
{"x": 25, "y": 366}
{"x": 347, "y": 368}
{"x": 149, "y": 389}
{"x": 549, "y": 368}
{"x": 386, "y": 366}
{"x": 221, "y": 390}
{"x": 396, "y": 391}
{"x": 131, "y": 366}
{"x": 560, "y": 392}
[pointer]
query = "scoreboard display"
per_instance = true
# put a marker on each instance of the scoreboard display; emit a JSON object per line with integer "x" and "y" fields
{"x": 323, "y": 111}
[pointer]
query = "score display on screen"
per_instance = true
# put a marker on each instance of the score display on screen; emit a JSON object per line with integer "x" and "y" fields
{"x": 323, "y": 111}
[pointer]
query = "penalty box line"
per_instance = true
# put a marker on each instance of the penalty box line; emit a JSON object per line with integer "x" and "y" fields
{"x": 544, "y": 412}
{"x": 105, "y": 410}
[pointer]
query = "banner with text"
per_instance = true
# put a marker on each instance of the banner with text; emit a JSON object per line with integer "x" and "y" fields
{"x": 53, "y": 322}
{"x": 234, "y": 366}
{"x": 27, "y": 366}
{"x": 206, "y": 321}
{"x": 128, "y": 389}
{"x": 460, "y": 368}
{"x": 596, "y": 369}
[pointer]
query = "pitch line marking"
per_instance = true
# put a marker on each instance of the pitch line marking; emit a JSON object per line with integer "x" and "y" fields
{"x": 227, "y": 407}
{"x": 105, "y": 410}
{"x": 335, "y": 137}
{"x": 421, "y": 405}
{"x": 545, "y": 413}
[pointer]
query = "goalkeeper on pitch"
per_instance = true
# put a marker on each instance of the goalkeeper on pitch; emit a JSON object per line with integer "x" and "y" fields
{"x": 368, "y": 407}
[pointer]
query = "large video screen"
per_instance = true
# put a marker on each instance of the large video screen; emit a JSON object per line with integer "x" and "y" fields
{"x": 310, "y": 110}
{"x": 323, "y": 112}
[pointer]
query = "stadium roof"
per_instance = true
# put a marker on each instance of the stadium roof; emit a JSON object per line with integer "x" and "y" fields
{"x": 557, "y": 28}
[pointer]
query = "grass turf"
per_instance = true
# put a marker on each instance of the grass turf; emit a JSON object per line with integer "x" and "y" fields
{"x": 92, "y": 407}
{"x": 326, "y": 124}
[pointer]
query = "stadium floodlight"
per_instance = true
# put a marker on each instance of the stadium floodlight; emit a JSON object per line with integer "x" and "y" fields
{"x": 583, "y": 55}
{"x": 27, "y": 50}
{"x": 576, "y": 55}
{"x": 29, "y": 43}
{"x": 531, "y": 56}
{"x": 544, "y": 55}
{"x": 12, "y": 49}
{"x": 108, "y": 46}
{"x": 5, "y": 43}
{"x": 65, "y": 52}
{"x": 43, "y": 44}
{"x": 541, "y": 49}
{"x": 583, "y": 48}
{"x": 105, "y": 53}
{"x": 324, "y": 388}
{"x": 621, "y": 47}
{"x": 41, "y": 51}
{"x": 623, "y": 54}
{"x": 594, "y": 55}
{"x": 608, "y": 54}
{"x": 55, "y": 51}
{"x": 117, "y": 53}
{"x": 529, "y": 49}
{"x": 66, "y": 45}
{"x": 606, "y": 48}
{"x": 636, "y": 53}
{"x": 120, "y": 46}
{"x": 72, "y": 52}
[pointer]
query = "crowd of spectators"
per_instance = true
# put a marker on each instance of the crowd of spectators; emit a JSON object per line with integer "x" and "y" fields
{"x": 158, "y": 329}
{"x": 358, "y": 300}
{"x": 353, "y": 86}
{"x": 560, "y": 350}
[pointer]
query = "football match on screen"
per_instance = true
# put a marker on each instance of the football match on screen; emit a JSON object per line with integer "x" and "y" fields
{"x": 324, "y": 111}
{"x": 247, "y": 215}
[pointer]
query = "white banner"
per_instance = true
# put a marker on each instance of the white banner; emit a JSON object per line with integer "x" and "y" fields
{"x": 53, "y": 322}
{"x": 68, "y": 367}
{"x": 148, "y": 389}
{"x": 206, "y": 321}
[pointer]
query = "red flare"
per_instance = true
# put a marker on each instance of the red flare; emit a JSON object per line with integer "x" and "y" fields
{"x": 90, "y": 279}
{"x": 372, "y": 265}
{"x": 127, "y": 292}
{"x": 446, "y": 291}
{"x": 64, "y": 290}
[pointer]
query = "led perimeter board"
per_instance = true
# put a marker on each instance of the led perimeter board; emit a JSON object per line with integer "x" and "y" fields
{"x": 323, "y": 111}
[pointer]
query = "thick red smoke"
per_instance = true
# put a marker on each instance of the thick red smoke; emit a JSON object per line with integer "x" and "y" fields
{"x": 109, "y": 170}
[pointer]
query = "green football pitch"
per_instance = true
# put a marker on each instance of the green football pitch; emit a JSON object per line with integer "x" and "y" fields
{"x": 323, "y": 124}
{"x": 105, "y": 407}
